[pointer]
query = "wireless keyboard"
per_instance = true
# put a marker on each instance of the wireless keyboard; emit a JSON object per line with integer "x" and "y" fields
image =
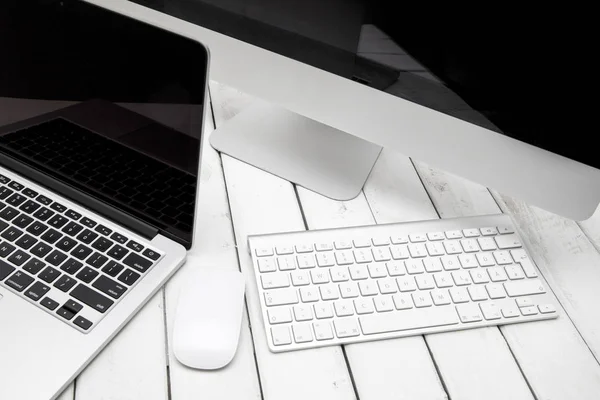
{"x": 338, "y": 286}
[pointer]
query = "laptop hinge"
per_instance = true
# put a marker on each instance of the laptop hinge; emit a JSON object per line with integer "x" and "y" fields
{"x": 119, "y": 217}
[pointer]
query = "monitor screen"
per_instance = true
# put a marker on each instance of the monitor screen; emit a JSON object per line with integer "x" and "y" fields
{"x": 104, "y": 104}
{"x": 497, "y": 70}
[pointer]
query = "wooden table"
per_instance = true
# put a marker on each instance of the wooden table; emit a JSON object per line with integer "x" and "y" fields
{"x": 555, "y": 359}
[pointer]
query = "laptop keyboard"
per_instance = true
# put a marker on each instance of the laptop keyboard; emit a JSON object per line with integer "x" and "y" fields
{"x": 65, "y": 263}
{"x": 128, "y": 176}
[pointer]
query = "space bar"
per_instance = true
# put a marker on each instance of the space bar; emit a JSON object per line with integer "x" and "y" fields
{"x": 408, "y": 319}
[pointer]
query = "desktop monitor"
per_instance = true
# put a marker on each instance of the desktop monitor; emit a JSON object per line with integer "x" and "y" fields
{"x": 474, "y": 96}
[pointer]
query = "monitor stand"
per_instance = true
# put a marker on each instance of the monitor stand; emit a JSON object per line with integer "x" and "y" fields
{"x": 301, "y": 150}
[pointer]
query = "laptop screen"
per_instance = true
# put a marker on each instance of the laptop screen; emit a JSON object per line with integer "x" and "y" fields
{"x": 108, "y": 105}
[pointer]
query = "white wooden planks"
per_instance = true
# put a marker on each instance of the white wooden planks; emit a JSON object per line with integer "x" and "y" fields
{"x": 263, "y": 203}
{"x": 214, "y": 247}
{"x": 552, "y": 355}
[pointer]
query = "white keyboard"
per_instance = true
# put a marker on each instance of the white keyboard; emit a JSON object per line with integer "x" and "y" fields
{"x": 338, "y": 286}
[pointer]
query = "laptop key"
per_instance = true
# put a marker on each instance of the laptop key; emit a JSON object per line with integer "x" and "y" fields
{"x": 102, "y": 244}
{"x": 72, "y": 228}
{"x": 56, "y": 257}
{"x": 97, "y": 260}
{"x": 5, "y": 192}
{"x": 51, "y": 236}
{"x": 43, "y": 214}
{"x": 87, "y": 275}
{"x": 3, "y": 225}
{"x": 82, "y": 323}
{"x": 71, "y": 266}
{"x": 58, "y": 221}
{"x": 65, "y": 313}
{"x": 65, "y": 283}
{"x": 6, "y": 249}
{"x": 34, "y": 266}
{"x": 81, "y": 252}
{"x": 129, "y": 277}
{"x": 112, "y": 268}
{"x": 49, "y": 303}
{"x": 117, "y": 252}
{"x": 30, "y": 192}
{"x": 19, "y": 257}
{"x": 5, "y": 270}
{"x": 40, "y": 249}
{"x": 135, "y": 246}
{"x": 88, "y": 222}
{"x": 73, "y": 214}
{"x": 151, "y": 254}
{"x": 66, "y": 243}
{"x": 19, "y": 281}
{"x": 137, "y": 262}
{"x": 15, "y": 185}
{"x": 37, "y": 228}
{"x": 49, "y": 275}
{"x": 26, "y": 241}
{"x": 119, "y": 238}
{"x": 29, "y": 206}
{"x": 37, "y": 291}
{"x": 73, "y": 306}
{"x": 11, "y": 234}
{"x": 44, "y": 200}
{"x": 58, "y": 207}
{"x": 22, "y": 221}
{"x": 92, "y": 298}
{"x": 8, "y": 213}
{"x": 110, "y": 287}
{"x": 103, "y": 230}
{"x": 16, "y": 200}
{"x": 87, "y": 236}
{"x": 4, "y": 179}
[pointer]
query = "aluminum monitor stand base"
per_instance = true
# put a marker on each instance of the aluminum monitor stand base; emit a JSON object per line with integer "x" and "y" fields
{"x": 313, "y": 155}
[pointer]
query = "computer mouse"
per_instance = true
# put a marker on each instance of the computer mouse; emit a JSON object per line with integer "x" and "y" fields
{"x": 208, "y": 318}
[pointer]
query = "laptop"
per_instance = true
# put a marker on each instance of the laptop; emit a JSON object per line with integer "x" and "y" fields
{"x": 101, "y": 121}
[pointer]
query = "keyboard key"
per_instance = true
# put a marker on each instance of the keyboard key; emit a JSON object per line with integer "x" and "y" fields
{"x": 34, "y": 266}
{"x": 92, "y": 298}
{"x": 110, "y": 287}
{"x": 524, "y": 287}
{"x": 117, "y": 252}
{"x": 37, "y": 228}
{"x": 407, "y": 319}
{"x": 508, "y": 241}
{"x": 103, "y": 230}
{"x": 151, "y": 254}
{"x": 87, "y": 236}
{"x": 281, "y": 297}
{"x": 81, "y": 252}
{"x": 22, "y": 221}
{"x": 8, "y": 213}
{"x": 454, "y": 234}
{"x": 129, "y": 277}
{"x": 66, "y": 244}
{"x": 4, "y": 179}
{"x": 383, "y": 303}
{"x": 49, "y": 275}
{"x": 16, "y": 200}
{"x": 267, "y": 265}
{"x": 323, "y": 310}
{"x": 402, "y": 301}
{"x": 281, "y": 335}
{"x": 489, "y": 231}
{"x": 329, "y": 292}
{"x": 56, "y": 257}
{"x": 303, "y": 313}
{"x": 346, "y": 327}
{"x": 469, "y": 312}
{"x": 51, "y": 236}
{"x": 19, "y": 257}
{"x": 6, "y": 249}
{"x": 5, "y": 270}
{"x": 58, "y": 207}
{"x": 364, "y": 306}
{"x": 11, "y": 234}
{"x": 486, "y": 243}
{"x": 97, "y": 260}
{"x": 547, "y": 308}
{"x": 490, "y": 310}
{"x": 44, "y": 200}
{"x": 3, "y": 225}
{"x": 19, "y": 281}
{"x": 41, "y": 249}
{"x": 72, "y": 228}
{"x": 529, "y": 310}
{"x": 43, "y": 214}
{"x": 137, "y": 262}
{"x": 5, "y": 192}
{"x": 505, "y": 229}
{"x": 118, "y": 238}
{"x": 87, "y": 275}
{"x": 73, "y": 214}
{"x": 58, "y": 221}
{"x": 469, "y": 233}
{"x": 71, "y": 266}
{"x": 17, "y": 186}
{"x": 102, "y": 244}
{"x": 65, "y": 313}
{"x": 284, "y": 250}
{"x": 65, "y": 283}
{"x": 49, "y": 303}
{"x": 302, "y": 333}
{"x": 300, "y": 278}
{"x": 82, "y": 323}
{"x": 514, "y": 272}
{"x": 88, "y": 222}
{"x": 37, "y": 291}
{"x": 29, "y": 206}
{"x": 417, "y": 237}
{"x": 323, "y": 330}
{"x": 342, "y": 245}
{"x": 274, "y": 281}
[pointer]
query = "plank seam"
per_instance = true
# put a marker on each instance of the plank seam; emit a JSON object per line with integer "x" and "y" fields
{"x": 168, "y": 367}
{"x": 437, "y": 368}
{"x": 518, "y": 365}
{"x": 350, "y": 373}
{"x": 424, "y": 187}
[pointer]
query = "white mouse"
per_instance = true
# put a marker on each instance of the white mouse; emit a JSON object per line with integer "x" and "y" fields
{"x": 208, "y": 319}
